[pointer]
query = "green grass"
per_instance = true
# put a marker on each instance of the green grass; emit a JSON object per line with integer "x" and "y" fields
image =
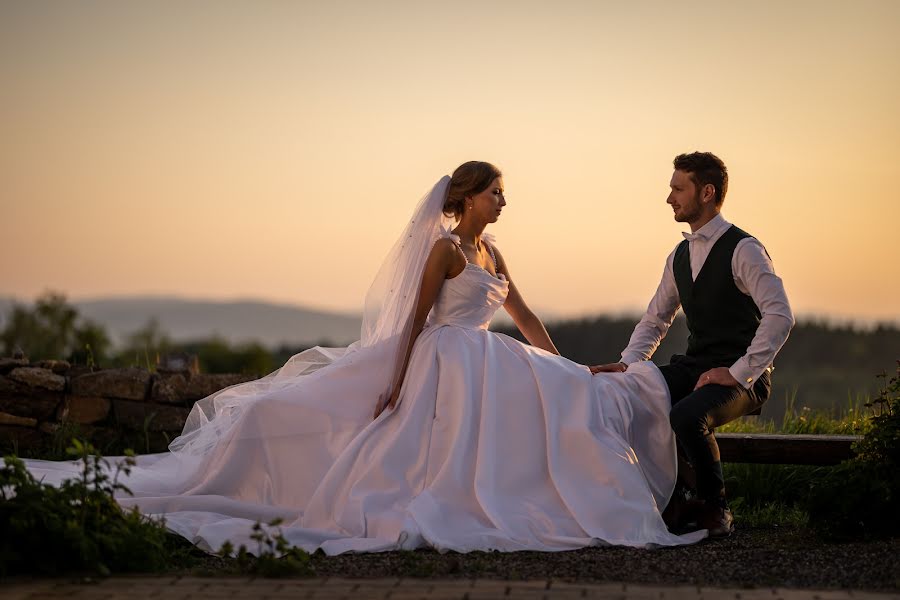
{"x": 851, "y": 419}
{"x": 773, "y": 513}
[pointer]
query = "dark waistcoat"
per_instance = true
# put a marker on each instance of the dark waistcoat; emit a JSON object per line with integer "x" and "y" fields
{"x": 721, "y": 319}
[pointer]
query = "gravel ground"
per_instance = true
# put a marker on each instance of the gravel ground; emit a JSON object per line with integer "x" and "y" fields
{"x": 763, "y": 557}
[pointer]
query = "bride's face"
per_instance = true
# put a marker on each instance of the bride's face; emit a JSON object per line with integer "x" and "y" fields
{"x": 487, "y": 205}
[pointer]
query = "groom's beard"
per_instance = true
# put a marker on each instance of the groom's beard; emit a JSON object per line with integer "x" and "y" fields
{"x": 692, "y": 213}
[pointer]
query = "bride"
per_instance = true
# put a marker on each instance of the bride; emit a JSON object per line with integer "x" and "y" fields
{"x": 479, "y": 442}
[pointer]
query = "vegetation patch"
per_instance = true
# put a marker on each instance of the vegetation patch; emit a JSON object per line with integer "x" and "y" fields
{"x": 860, "y": 498}
{"x": 78, "y": 527}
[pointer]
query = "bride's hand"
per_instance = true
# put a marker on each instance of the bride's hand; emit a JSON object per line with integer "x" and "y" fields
{"x": 618, "y": 367}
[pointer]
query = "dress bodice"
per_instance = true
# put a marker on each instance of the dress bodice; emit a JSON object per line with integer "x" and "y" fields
{"x": 470, "y": 299}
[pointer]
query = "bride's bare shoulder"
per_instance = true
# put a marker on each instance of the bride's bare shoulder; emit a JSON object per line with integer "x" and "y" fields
{"x": 443, "y": 245}
{"x": 447, "y": 253}
{"x": 446, "y": 249}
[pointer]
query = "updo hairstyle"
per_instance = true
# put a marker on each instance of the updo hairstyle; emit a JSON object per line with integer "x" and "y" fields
{"x": 469, "y": 179}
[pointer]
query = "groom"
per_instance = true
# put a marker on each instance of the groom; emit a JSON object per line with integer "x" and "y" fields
{"x": 738, "y": 317}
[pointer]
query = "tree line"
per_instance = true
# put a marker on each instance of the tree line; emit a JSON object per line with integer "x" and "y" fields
{"x": 822, "y": 366}
{"x": 53, "y": 329}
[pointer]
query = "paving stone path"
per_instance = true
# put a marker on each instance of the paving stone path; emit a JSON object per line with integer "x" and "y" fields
{"x": 202, "y": 588}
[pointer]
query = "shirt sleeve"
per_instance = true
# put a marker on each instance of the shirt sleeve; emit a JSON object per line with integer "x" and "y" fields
{"x": 656, "y": 321}
{"x": 755, "y": 276}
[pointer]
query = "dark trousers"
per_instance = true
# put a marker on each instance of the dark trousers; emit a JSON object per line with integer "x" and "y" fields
{"x": 695, "y": 414}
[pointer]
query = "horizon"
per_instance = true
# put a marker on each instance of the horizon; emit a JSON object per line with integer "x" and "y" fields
{"x": 223, "y": 150}
{"x": 832, "y": 321}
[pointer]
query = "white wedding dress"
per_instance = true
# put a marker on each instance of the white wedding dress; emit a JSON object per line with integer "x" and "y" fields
{"x": 496, "y": 445}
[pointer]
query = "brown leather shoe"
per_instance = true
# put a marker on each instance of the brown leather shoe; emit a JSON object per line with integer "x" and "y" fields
{"x": 717, "y": 520}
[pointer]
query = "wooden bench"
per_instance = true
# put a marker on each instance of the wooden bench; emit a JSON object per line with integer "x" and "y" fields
{"x": 785, "y": 449}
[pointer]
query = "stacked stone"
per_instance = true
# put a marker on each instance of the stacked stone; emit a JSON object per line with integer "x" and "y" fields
{"x": 36, "y": 399}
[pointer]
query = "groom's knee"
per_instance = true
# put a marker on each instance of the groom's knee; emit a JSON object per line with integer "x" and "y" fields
{"x": 685, "y": 419}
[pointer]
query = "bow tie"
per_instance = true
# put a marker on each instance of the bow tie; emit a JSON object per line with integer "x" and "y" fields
{"x": 693, "y": 236}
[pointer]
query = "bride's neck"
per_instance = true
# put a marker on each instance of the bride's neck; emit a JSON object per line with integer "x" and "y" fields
{"x": 470, "y": 233}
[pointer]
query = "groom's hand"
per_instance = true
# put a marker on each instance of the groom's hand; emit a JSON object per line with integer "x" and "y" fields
{"x": 609, "y": 368}
{"x": 719, "y": 376}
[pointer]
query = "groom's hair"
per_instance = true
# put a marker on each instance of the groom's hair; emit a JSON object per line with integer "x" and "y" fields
{"x": 703, "y": 168}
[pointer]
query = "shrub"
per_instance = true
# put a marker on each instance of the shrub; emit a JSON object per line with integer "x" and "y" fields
{"x": 860, "y": 498}
{"x": 275, "y": 557}
{"x": 77, "y": 526}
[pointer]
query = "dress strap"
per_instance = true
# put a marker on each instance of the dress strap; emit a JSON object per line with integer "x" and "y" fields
{"x": 455, "y": 240}
{"x": 493, "y": 256}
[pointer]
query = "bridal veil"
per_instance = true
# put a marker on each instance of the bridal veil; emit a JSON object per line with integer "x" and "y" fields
{"x": 387, "y": 320}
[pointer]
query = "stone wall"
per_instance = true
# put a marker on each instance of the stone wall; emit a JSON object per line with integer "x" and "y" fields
{"x": 107, "y": 406}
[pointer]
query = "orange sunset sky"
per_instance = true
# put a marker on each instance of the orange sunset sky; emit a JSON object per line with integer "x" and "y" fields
{"x": 274, "y": 150}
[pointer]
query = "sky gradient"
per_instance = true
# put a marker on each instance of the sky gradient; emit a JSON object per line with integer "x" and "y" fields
{"x": 274, "y": 150}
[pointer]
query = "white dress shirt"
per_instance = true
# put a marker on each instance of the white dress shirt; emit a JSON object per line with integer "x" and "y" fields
{"x": 753, "y": 274}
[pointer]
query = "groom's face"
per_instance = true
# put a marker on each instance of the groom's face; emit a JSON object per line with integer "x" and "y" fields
{"x": 684, "y": 197}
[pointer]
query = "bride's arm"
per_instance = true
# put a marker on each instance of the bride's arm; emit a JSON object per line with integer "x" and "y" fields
{"x": 527, "y": 322}
{"x": 441, "y": 261}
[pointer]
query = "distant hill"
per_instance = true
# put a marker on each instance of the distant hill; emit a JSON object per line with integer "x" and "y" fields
{"x": 242, "y": 321}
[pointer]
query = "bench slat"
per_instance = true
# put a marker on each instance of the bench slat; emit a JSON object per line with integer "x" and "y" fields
{"x": 785, "y": 449}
